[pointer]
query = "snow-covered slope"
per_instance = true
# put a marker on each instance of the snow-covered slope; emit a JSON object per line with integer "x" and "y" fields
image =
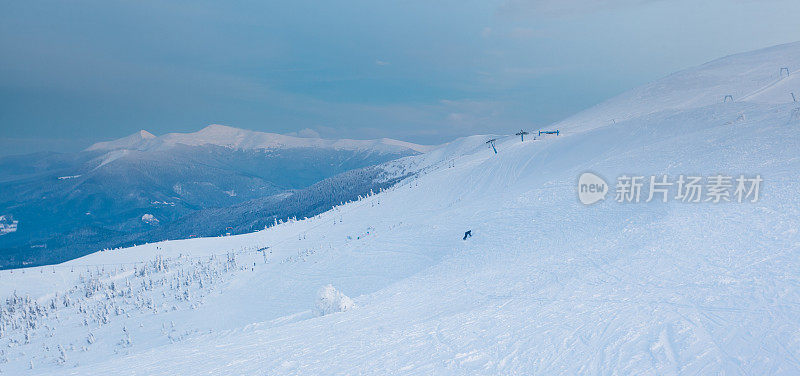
{"x": 545, "y": 286}
{"x": 221, "y": 135}
{"x": 770, "y": 75}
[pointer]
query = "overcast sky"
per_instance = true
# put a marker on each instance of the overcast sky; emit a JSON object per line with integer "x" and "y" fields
{"x": 74, "y": 72}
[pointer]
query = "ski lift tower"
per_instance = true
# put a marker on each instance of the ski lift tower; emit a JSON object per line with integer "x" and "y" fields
{"x": 521, "y": 135}
{"x": 491, "y": 142}
{"x": 555, "y": 132}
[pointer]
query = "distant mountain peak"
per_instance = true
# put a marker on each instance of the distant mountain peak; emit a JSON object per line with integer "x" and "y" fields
{"x": 133, "y": 141}
{"x": 145, "y": 134}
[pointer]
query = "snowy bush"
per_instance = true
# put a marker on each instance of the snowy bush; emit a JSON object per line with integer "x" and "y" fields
{"x": 150, "y": 219}
{"x": 331, "y": 300}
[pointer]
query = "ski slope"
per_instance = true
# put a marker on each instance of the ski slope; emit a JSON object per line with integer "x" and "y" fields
{"x": 545, "y": 286}
{"x": 756, "y": 76}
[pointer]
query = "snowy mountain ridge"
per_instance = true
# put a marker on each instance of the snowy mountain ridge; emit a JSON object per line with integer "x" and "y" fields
{"x": 235, "y": 138}
{"x": 546, "y": 285}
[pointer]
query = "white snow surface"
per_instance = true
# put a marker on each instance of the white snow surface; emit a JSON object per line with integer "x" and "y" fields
{"x": 545, "y": 286}
{"x": 235, "y": 138}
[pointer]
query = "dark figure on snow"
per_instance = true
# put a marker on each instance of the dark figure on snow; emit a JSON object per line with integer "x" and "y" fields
{"x": 467, "y": 234}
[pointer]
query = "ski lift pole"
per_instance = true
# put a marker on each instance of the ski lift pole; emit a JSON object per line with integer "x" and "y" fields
{"x": 491, "y": 142}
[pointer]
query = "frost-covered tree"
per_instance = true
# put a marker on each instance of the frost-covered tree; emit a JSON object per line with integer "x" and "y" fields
{"x": 62, "y": 355}
{"x": 126, "y": 341}
{"x": 330, "y": 300}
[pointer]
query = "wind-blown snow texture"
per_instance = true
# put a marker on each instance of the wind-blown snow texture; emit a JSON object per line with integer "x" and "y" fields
{"x": 545, "y": 285}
